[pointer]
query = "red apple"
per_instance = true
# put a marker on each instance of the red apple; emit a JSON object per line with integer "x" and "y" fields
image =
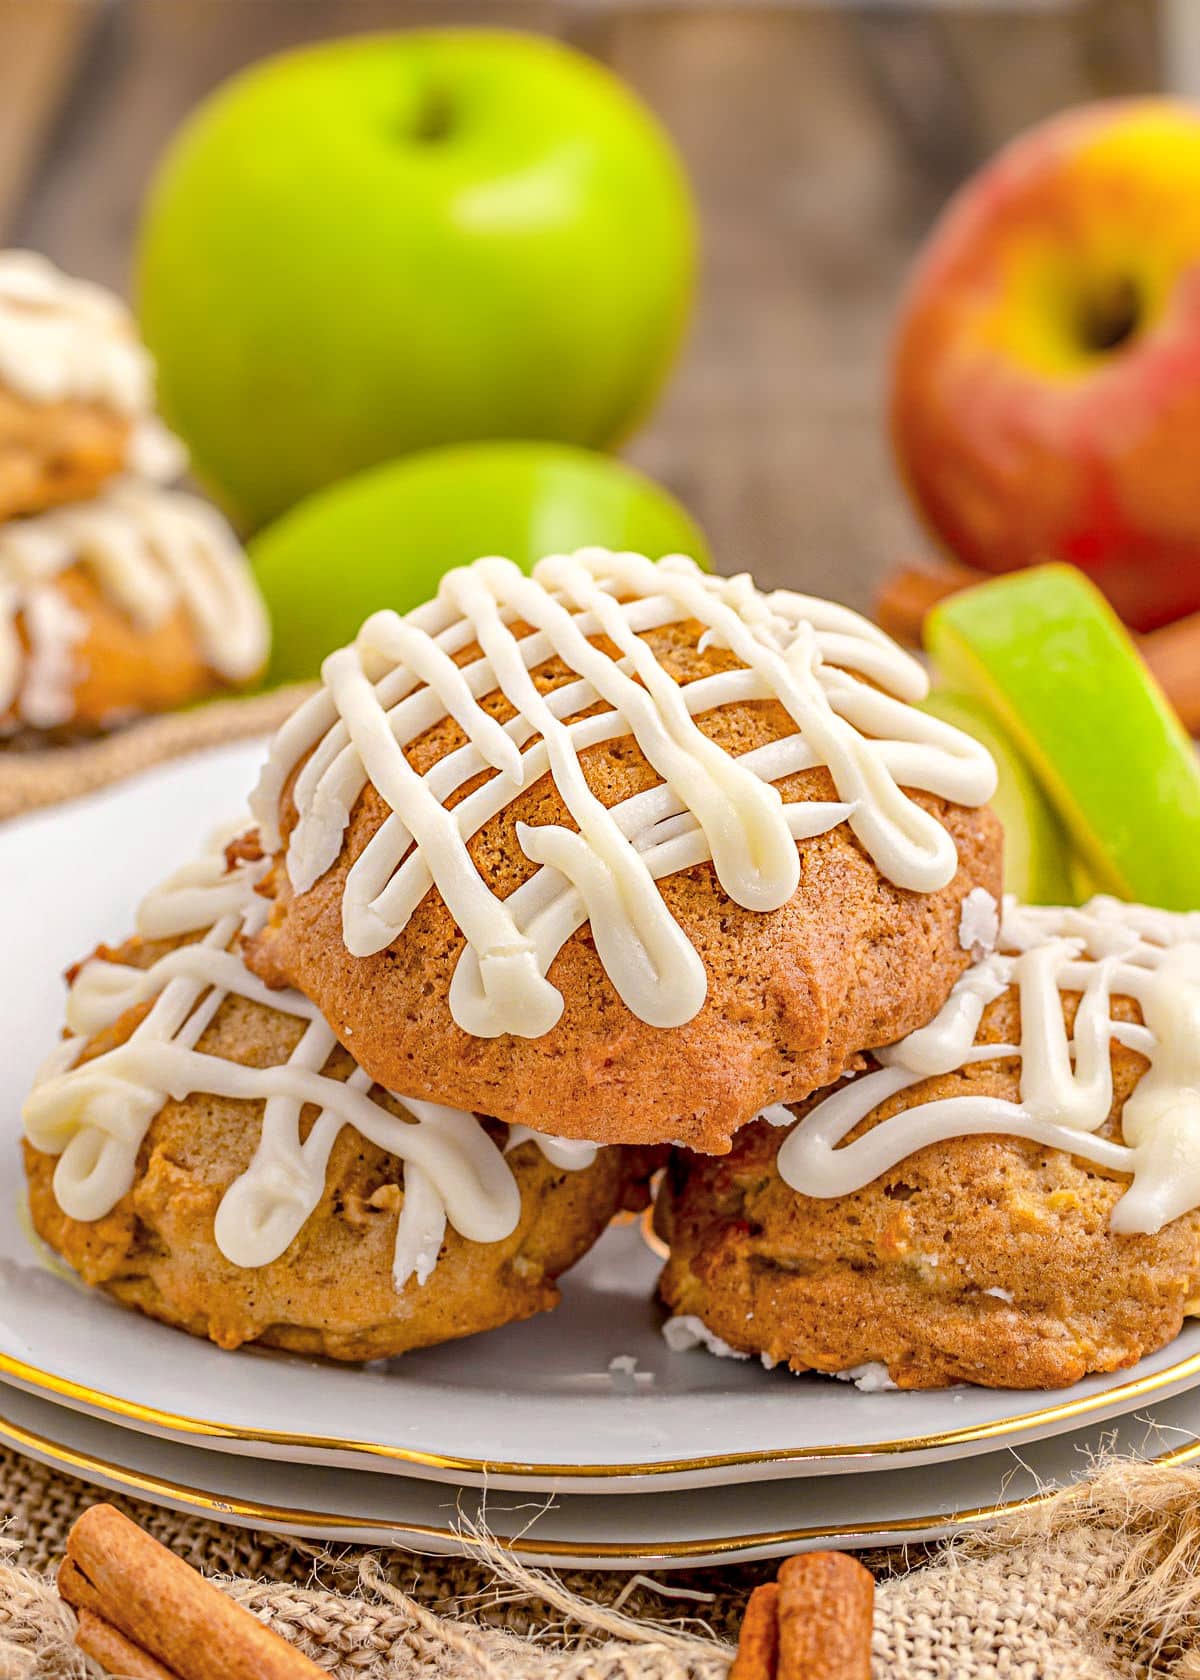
{"x": 1046, "y": 382}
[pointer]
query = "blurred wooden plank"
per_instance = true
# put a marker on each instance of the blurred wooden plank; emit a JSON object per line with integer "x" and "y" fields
{"x": 772, "y": 430}
{"x": 1017, "y": 67}
{"x": 907, "y": 60}
{"x": 821, "y": 142}
{"x": 1179, "y": 36}
{"x": 40, "y": 46}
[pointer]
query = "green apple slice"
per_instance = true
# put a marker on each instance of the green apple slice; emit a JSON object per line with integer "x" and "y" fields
{"x": 1084, "y": 884}
{"x": 1037, "y": 854}
{"x": 1044, "y": 652}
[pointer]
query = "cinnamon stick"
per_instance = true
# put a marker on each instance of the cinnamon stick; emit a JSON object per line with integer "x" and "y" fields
{"x": 1173, "y": 654}
{"x": 99, "y": 1640}
{"x": 758, "y": 1643}
{"x": 911, "y": 590}
{"x": 75, "y": 1588}
{"x": 165, "y": 1609}
{"x": 826, "y": 1602}
{"x": 814, "y": 1623}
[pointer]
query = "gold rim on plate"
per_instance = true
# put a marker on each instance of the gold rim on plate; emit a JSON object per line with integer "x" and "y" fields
{"x": 197, "y": 1502}
{"x": 80, "y": 1395}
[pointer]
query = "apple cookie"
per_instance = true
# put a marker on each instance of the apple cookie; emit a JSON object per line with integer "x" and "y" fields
{"x": 134, "y": 602}
{"x": 619, "y": 847}
{"x": 1010, "y": 1198}
{"x": 203, "y": 1150}
{"x": 76, "y": 390}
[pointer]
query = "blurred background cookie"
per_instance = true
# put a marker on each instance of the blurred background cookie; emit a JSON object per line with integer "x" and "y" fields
{"x": 117, "y": 597}
{"x": 76, "y": 390}
{"x": 134, "y": 602}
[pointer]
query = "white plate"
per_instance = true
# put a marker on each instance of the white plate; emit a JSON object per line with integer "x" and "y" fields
{"x": 672, "y": 1531}
{"x": 534, "y": 1406}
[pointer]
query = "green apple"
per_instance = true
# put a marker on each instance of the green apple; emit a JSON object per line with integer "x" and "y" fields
{"x": 395, "y": 241}
{"x": 1037, "y": 856}
{"x": 384, "y": 538}
{"x": 1047, "y": 655}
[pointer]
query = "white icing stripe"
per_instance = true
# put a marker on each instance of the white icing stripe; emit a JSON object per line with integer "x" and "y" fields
{"x": 421, "y": 1230}
{"x": 1103, "y": 951}
{"x": 571, "y": 1154}
{"x": 151, "y": 552}
{"x": 400, "y": 678}
{"x": 43, "y": 677}
{"x": 64, "y": 338}
{"x": 94, "y": 1115}
{"x": 155, "y": 454}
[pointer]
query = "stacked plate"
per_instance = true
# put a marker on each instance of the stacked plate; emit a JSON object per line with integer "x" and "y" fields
{"x": 576, "y": 1437}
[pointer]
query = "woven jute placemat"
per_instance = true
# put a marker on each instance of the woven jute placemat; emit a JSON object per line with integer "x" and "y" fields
{"x": 32, "y": 778}
{"x": 1101, "y": 1582}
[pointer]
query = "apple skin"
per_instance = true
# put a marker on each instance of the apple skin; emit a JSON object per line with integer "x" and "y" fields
{"x": 1046, "y": 655}
{"x": 394, "y": 241}
{"x": 1038, "y": 866}
{"x": 384, "y": 538}
{"x": 1022, "y": 435}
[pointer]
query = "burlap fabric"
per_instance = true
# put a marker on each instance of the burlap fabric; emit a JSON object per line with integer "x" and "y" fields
{"x": 1100, "y": 1583}
{"x": 30, "y": 779}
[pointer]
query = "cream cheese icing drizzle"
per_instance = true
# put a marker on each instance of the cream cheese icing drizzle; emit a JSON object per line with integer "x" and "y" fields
{"x": 1103, "y": 951}
{"x": 151, "y": 551}
{"x": 61, "y": 337}
{"x": 845, "y": 685}
{"x": 94, "y": 1115}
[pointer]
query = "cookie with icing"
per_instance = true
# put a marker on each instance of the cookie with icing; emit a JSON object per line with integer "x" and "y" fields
{"x": 76, "y": 390}
{"x": 274, "y": 1165}
{"x": 136, "y": 601}
{"x": 621, "y": 849}
{"x": 1010, "y": 1197}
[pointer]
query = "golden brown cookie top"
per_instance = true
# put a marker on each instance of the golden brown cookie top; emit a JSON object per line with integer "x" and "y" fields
{"x": 610, "y": 850}
{"x": 655, "y": 712}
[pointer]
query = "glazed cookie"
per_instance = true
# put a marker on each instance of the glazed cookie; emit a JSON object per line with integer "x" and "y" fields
{"x": 620, "y": 849}
{"x": 134, "y": 602}
{"x": 276, "y": 1167}
{"x": 1010, "y": 1198}
{"x": 76, "y": 390}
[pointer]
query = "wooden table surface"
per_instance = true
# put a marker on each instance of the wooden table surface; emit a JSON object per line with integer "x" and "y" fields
{"x": 821, "y": 141}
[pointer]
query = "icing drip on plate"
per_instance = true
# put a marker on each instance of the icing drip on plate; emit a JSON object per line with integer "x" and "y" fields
{"x": 94, "y": 1115}
{"x": 63, "y": 339}
{"x": 152, "y": 552}
{"x": 1102, "y": 951}
{"x": 847, "y": 688}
